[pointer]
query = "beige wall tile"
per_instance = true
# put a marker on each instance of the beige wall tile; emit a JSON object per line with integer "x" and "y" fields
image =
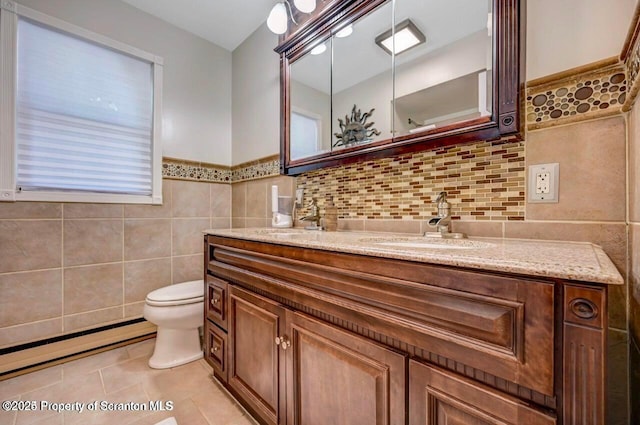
{"x": 349, "y": 225}
{"x": 257, "y": 222}
{"x": 30, "y": 210}
{"x": 152, "y": 211}
{"x": 610, "y": 236}
{"x": 634, "y": 282}
{"x": 29, "y": 332}
{"x": 286, "y": 186}
{"x": 399, "y": 226}
{"x": 483, "y": 229}
{"x": 92, "y": 241}
{"x": 187, "y": 235}
{"x": 147, "y": 238}
{"x": 257, "y": 199}
{"x": 92, "y": 319}
{"x": 133, "y": 310}
{"x": 220, "y": 200}
{"x": 30, "y": 296}
{"x": 92, "y": 211}
{"x": 190, "y": 199}
{"x": 30, "y": 245}
{"x": 238, "y": 223}
{"x": 92, "y": 287}
{"x": 142, "y": 277}
{"x": 238, "y": 200}
{"x": 634, "y": 164}
{"x": 220, "y": 223}
{"x": 591, "y": 155}
{"x": 189, "y": 267}
{"x": 617, "y": 372}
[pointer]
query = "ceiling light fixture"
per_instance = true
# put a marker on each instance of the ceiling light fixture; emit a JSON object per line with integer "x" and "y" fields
{"x": 278, "y": 19}
{"x": 407, "y": 35}
{"x": 305, "y": 6}
{"x": 345, "y": 32}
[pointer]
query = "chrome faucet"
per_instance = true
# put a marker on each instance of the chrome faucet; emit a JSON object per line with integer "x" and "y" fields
{"x": 314, "y": 216}
{"x": 442, "y": 222}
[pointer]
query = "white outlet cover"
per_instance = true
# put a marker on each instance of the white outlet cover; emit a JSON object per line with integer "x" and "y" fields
{"x": 551, "y": 184}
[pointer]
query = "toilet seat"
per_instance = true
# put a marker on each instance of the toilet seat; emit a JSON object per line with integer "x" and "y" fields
{"x": 178, "y": 294}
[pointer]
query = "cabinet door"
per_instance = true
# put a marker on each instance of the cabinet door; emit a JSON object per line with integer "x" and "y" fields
{"x": 437, "y": 397}
{"x": 256, "y": 370}
{"x": 336, "y": 377}
{"x": 216, "y": 350}
{"x": 217, "y": 301}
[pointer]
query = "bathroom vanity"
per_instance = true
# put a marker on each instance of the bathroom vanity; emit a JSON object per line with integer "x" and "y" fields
{"x": 361, "y": 328}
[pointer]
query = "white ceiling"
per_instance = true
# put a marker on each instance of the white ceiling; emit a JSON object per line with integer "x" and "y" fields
{"x": 226, "y": 23}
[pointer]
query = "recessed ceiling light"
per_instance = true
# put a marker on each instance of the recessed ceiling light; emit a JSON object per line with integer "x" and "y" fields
{"x": 319, "y": 49}
{"x": 407, "y": 35}
{"x": 345, "y": 32}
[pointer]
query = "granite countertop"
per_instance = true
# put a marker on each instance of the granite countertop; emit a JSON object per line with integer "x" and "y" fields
{"x": 564, "y": 260}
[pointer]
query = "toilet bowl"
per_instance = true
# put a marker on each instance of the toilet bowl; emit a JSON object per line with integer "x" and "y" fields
{"x": 177, "y": 310}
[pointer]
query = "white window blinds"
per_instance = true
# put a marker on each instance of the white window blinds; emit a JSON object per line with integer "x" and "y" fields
{"x": 84, "y": 115}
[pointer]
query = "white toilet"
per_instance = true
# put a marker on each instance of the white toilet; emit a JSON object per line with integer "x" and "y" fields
{"x": 178, "y": 311}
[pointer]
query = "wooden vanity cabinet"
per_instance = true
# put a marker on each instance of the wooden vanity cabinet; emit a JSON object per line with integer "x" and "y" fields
{"x": 438, "y": 397}
{"x": 318, "y": 337}
{"x": 289, "y": 368}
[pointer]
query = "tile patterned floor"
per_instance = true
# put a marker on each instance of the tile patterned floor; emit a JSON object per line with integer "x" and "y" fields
{"x": 122, "y": 376}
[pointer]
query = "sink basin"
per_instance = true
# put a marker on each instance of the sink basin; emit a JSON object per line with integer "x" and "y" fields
{"x": 422, "y": 243}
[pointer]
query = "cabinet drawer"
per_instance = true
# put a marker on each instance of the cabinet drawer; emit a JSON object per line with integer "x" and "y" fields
{"x": 216, "y": 350}
{"x": 437, "y": 397}
{"x": 217, "y": 301}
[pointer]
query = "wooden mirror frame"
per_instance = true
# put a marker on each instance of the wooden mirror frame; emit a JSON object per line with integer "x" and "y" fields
{"x": 506, "y": 117}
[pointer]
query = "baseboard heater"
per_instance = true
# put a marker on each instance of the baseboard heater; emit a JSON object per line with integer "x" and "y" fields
{"x": 32, "y": 356}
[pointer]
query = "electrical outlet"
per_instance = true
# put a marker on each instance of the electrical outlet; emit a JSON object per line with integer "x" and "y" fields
{"x": 543, "y": 183}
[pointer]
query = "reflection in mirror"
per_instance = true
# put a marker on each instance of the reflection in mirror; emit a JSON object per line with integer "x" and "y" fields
{"x": 448, "y": 78}
{"x": 362, "y": 86}
{"x": 310, "y": 119}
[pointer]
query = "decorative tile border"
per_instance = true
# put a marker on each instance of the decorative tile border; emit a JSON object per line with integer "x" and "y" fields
{"x": 264, "y": 167}
{"x": 584, "y": 93}
{"x": 484, "y": 181}
{"x": 180, "y": 169}
{"x": 196, "y": 171}
{"x": 631, "y": 57}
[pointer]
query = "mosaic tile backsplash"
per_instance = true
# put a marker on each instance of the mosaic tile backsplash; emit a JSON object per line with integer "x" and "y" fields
{"x": 484, "y": 181}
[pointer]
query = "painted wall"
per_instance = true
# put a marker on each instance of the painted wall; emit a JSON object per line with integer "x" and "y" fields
{"x": 256, "y": 97}
{"x": 569, "y": 33}
{"x": 197, "y": 74}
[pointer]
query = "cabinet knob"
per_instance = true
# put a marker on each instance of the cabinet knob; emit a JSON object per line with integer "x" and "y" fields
{"x": 285, "y": 343}
{"x": 278, "y": 340}
{"x": 583, "y": 308}
{"x": 214, "y": 349}
{"x": 215, "y": 301}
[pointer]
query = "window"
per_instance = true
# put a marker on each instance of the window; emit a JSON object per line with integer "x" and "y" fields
{"x": 82, "y": 111}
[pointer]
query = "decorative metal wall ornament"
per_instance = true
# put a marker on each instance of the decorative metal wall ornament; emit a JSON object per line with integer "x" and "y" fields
{"x": 355, "y": 130}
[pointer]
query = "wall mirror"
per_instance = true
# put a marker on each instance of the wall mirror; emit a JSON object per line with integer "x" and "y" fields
{"x": 367, "y": 79}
